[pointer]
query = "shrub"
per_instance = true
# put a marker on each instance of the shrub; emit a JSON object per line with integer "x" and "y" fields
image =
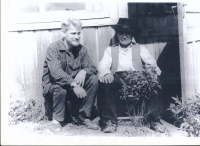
{"x": 187, "y": 114}
{"x": 137, "y": 88}
{"x": 25, "y": 112}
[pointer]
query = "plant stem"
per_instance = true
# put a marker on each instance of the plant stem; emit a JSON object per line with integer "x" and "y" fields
{"x": 129, "y": 112}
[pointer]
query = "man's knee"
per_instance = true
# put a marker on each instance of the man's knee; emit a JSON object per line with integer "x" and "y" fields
{"x": 59, "y": 92}
{"x": 106, "y": 85}
{"x": 93, "y": 81}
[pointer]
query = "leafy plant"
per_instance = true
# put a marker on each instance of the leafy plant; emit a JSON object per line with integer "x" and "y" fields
{"x": 137, "y": 88}
{"x": 25, "y": 112}
{"x": 187, "y": 114}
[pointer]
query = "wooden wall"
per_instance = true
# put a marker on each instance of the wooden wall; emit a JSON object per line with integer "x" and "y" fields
{"x": 27, "y": 51}
{"x": 189, "y": 28}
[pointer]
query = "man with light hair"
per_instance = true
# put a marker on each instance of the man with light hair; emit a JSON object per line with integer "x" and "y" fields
{"x": 69, "y": 75}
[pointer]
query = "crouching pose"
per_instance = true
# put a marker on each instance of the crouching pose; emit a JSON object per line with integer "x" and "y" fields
{"x": 69, "y": 75}
{"x": 124, "y": 56}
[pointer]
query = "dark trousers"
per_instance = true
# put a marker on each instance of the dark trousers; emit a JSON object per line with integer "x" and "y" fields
{"x": 110, "y": 104}
{"x": 57, "y": 98}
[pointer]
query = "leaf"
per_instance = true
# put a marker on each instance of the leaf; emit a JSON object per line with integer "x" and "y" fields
{"x": 174, "y": 98}
{"x": 178, "y": 102}
{"x": 184, "y": 125}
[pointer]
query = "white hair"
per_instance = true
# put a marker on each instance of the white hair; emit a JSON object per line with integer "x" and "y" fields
{"x": 65, "y": 24}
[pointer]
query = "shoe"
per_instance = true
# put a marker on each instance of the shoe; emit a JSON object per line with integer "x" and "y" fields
{"x": 55, "y": 127}
{"x": 90, "y": 125}
{"x": 76, "y": 121}
{"x": 109, "y": 127}
{"x": 158, "y": 126}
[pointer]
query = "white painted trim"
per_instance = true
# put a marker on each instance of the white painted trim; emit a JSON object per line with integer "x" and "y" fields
{"x": 109, "y": 16}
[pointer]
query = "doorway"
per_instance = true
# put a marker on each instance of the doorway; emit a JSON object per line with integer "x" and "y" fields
{"x": 157, "y": 30}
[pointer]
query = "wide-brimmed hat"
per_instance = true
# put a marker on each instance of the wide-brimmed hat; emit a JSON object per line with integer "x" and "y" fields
{"x": 125, "y": 25}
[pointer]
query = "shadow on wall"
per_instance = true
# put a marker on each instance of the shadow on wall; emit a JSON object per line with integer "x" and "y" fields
{"x": 169, "y": 63}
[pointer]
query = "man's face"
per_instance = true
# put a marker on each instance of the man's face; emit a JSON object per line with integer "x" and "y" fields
{"x": 73, "y": 36}
{"x": 124, "y": 38}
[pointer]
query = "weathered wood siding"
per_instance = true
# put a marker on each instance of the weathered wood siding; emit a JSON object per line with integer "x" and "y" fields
{"x": 189, "y": 28}
{"x": 27, "y": 51}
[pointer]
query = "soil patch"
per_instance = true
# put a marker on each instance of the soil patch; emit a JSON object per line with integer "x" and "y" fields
{"x": 125, "y": 129}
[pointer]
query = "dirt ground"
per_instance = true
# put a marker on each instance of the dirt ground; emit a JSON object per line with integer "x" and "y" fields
{"x": 39, "y": 134}
{"x": 125, "y": 129}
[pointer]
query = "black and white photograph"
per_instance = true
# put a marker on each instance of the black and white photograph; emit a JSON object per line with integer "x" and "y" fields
{"x": 100, "y": 72}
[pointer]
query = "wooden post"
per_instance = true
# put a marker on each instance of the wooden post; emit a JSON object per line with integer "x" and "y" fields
{"x": 182, "y": 46}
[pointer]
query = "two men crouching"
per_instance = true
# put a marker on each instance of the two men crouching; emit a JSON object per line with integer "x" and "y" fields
{"x": 69, "y": 75}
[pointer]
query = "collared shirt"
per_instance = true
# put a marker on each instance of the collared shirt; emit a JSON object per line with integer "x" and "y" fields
{"x": 125, "y": 60}
{"x": 61, "y": 65}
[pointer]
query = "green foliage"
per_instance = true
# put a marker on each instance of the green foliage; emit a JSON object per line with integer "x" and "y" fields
{"x": 137, "y": 88}
{"x": 140, "y": 84}
{"x": 188, "y": 114}
{"x": 25, "y": 112}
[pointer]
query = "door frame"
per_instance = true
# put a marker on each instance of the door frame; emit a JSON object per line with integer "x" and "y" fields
{"x": 182, "y": 45}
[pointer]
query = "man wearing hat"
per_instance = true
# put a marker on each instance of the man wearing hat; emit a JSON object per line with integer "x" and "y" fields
{"x": 124, "y": 56}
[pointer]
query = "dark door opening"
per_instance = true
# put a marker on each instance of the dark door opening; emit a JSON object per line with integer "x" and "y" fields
{"x": 157, "y": 30}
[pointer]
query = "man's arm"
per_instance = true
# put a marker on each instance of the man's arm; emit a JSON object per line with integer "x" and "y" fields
{"x": 105, "y": 63}
{"x": 147, "y": 58}
{"x": 104, "y": 67}
{"x": 54, "y": 64}
{"x": 87, "y": 67}
{"x": 87, "y": 64}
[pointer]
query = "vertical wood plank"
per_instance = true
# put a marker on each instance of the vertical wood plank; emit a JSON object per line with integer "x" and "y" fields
{"x": 174, "y": 20}
{"x": 196, "y": 70}
{"x": 16, "y": 68}
{"x": 30, "y": 65}
{"x": 182, "y": 45}
{"x": 162, "y": 21}
{"x": 147, "y": 8}
{"x": 155, "y": 22}
{"x": 169, "y": 20}
{"x": 89, "y": 41}
{"x": 141, "y": 22}
{"x": 132, "y": 11}
{"x": 97, "y": 47}
{"x": 105, "y": 34}
{"x": 197, "y": 66}
{"x": 190, "y": 69}
{"x": 141, "y": 8}
{"x": 55, "y": 35}
{"x": 149, "y": 22}
{"x": 44, "y": 39}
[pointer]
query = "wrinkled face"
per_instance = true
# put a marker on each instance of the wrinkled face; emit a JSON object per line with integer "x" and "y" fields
{"x": 124, "y": 38}
{"x": 72, "y": 36}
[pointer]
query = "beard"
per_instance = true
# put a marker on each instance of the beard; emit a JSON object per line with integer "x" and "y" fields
{"x": 74, "y": 43}
{"x": 125, "y": 43}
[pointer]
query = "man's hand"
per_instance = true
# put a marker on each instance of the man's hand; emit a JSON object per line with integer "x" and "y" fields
{"x": 108, "y": 78}
{"x": 101, "y": 78}
{"x": 79, "y": 91}
{"x": 80, "y": 77}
